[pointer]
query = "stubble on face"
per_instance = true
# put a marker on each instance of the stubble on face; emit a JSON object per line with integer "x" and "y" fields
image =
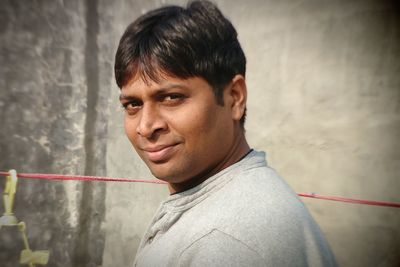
{"x": 178, "y": 129}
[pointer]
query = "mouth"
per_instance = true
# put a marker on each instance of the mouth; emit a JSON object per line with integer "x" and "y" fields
{"x": 159, "y": 154}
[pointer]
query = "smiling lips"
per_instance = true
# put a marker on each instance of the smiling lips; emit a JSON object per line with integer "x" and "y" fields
{"x": 159, "y": 153}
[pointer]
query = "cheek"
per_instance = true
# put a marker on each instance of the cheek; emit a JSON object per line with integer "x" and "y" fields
{"x": 199, "y": 126}
{"x": 215, "y": 130}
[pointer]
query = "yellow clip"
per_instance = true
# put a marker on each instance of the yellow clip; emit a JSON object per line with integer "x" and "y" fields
{"x": 8, "y": 218}
{"x": 34, "y": 257}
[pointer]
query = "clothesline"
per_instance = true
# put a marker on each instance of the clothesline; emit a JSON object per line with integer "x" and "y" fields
{"x": 117, "y": 179}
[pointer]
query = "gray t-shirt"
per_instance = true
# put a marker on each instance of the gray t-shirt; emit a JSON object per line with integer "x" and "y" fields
{"x": 245, "y": 215}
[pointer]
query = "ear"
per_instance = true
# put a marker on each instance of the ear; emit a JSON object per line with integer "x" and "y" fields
{"x": 238, "y": 96}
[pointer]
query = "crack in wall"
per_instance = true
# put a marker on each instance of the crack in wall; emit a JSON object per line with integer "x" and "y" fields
{"x": 90, "y": 238}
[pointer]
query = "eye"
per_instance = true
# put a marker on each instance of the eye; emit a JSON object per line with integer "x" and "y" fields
{"x": 131, "y": 107}
{"x": 173, "y": 98}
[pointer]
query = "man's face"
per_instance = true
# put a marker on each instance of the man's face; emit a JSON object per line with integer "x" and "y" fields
{"x": 177, "y": 127}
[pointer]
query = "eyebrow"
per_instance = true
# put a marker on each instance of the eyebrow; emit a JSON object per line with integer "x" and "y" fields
{"x": 156, "y": 92}
{"x": 126, "y": 97}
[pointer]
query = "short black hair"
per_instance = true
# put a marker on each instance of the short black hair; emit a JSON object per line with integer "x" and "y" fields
{"x": 196, "y": 41}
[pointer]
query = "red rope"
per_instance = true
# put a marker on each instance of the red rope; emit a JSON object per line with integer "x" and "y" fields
{"x": 352, "y": 200}
{"x": 81, "y": 178}
{"x": 109, "y": 179}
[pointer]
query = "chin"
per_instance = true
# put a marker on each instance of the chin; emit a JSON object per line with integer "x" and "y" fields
{"x": 168, "y": 175}
{"x": 160, "y": 172}
{"x": 170, "y": 171}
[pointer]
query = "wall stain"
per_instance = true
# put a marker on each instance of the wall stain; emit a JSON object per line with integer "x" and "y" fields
{"x": 90, "y": 243}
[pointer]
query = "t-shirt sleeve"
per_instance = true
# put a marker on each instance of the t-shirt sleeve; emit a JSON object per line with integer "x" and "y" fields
{"x": 219, "y": 249}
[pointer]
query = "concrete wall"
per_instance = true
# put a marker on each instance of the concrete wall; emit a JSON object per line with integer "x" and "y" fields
{"x": 324, "y": 102}
{"x": 52, "y": 118}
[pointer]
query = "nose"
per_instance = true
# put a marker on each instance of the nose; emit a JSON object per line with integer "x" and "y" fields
{"x": 150, "y": 122}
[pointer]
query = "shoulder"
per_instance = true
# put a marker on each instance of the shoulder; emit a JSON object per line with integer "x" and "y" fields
{"x": 258, "y": 214}
{"x": 217, "y": 248}
{"x": 259, "y": 194}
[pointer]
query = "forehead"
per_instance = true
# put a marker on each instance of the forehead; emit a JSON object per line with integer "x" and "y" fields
{"x": 140, "y": 85}
{"x": 149, "y": 74}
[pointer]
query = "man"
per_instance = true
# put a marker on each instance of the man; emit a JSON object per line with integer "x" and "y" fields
{"x": 182, "y": 77}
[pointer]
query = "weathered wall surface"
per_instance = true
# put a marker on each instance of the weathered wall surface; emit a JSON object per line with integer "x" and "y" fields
{"x": 50, "y": 123}
{"x": 328, "y": 114}
{"x": 326, "y": 108}
{"x": 324, "y": 102}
